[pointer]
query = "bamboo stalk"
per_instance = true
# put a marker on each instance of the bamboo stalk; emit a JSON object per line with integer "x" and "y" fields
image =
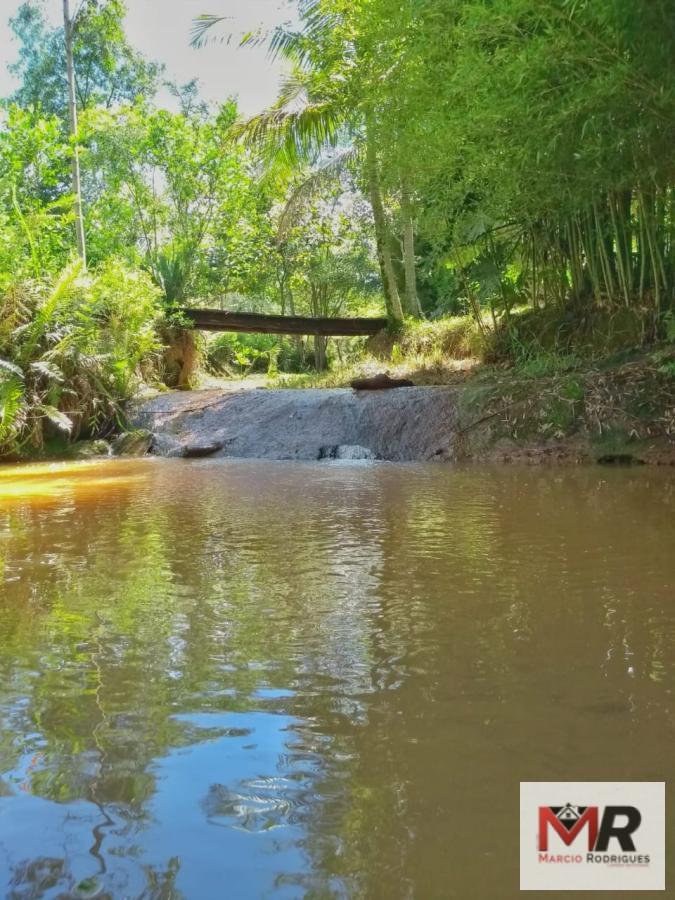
{"x": 653, "y": 254}
{"x": 623, "y": 279}
{"x": 604, "y": 257}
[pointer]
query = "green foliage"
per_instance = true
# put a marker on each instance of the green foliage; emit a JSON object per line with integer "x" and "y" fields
{"x": 458, "y": 337}
{"x": 507, "y": 165}
{"x": 537, "y": 365}
{"x": 560, "y": 332}
{"x": 108, "y": 70}
{"x": 173, "y": 192}
{"x": 245, "y": 354}
{"x": 332, "y": 258}
{"x": 537, "y": 135}
{"x": 669, "y": 322}
{"x": 71, "y": 351}
{"x": 531, "y": 141}
{"x": 34, "y": 205}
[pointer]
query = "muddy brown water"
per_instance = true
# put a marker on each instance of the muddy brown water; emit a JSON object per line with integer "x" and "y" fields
{"x": 238, "y": 679}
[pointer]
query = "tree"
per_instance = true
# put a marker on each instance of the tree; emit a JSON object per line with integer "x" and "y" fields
{"x": 331, "y": 260}
{"x": 525, "y": 130}
{"x": 108, "y": 71}
{"x": 35, "y": 214}
{"x": 320, "y": 108}
{"x": 172, "y": 189}
{"x": 382, "y": 238}
{"x": 409, "y": 262}
{"x": 86, "y": 63}
{"x": 68, "y": 31}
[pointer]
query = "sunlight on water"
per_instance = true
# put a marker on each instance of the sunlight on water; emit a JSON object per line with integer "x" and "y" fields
{"x": 53, "y": 480}
{"x": 297, "y": 680}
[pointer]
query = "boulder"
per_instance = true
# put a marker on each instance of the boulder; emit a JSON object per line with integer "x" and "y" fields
{"x": 198, "y": 451}
{"x": 296, "y": 424}
{"x": 346, "y": 451}
{"x": 174, "y": 448}
{"x": 89, "y": 449}
{"x": 132, "y": 443}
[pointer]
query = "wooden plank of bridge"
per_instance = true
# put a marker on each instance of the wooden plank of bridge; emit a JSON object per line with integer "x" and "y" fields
{"x": 223, "y": 320}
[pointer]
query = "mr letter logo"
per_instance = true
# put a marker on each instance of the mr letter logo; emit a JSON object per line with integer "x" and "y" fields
{"x": 615, "y": 841}
{"x": 568, "y": 821}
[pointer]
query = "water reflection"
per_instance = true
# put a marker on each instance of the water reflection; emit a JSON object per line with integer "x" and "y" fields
{"x": 318, "y": 680}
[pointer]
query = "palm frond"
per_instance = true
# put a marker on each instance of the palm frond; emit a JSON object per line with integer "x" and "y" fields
{"x": 299, "y": 46}
{"x": 60, "y": 292}
{"x": 329, "y": 171}
{"x": 290, "y": 45}
{"x": 11, "y": 409}
{"x": 282, "y": 42}
{"x": 318, "y": 23}
{"x": 49, "y": 370}
{"x": 294, "y": 136}
{"x": 8, "y": 368}
{"x": 202, "y": 25}
{"x": 59, "y": 419}
{"x": 293, "y": 90}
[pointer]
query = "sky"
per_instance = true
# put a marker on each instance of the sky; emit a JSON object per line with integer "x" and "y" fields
{"x": 160, "y": 29}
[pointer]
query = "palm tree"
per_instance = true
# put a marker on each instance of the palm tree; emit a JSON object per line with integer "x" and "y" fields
{"x": 317, "y": 119}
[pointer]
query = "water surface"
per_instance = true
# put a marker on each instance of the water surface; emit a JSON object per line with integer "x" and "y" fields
{"x": 224, "y": 679}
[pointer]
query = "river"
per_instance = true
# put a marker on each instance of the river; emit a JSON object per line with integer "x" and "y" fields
{"x": 241, "y": 679}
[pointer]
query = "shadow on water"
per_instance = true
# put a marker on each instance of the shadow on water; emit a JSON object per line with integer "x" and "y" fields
{"x": 306, "y": 680}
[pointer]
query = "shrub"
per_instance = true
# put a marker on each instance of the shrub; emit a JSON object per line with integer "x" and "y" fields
{"x": 567, "y": 332}
{"x": 72, "y": 349}
{"x": 244, "y": 354}
{"x": 453, "y": 337}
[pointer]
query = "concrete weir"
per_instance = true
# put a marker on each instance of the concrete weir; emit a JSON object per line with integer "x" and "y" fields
{"x": 407, "y": 424}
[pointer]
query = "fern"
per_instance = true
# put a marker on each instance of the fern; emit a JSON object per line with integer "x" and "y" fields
{"x": 45, "y": 314}
{"x": 11, "y": 405}
{"x": 73, "y": 362}
{"x": 48, "y": 370}
{"x": 57, "y": 418}
{"x": 8, "y": 367}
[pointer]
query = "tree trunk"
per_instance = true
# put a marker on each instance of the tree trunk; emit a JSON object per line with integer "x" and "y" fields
{"x": 320, "y": 358}
{"x": 72, "y": 115}
{"x": 412, "y": 301}
{"x": 391, "y": 295}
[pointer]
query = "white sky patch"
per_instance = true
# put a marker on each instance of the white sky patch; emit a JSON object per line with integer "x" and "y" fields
{"x": 160, "y": 29}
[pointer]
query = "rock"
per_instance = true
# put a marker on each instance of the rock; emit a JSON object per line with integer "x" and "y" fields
{"x": 166, "y": 445}
{"x": 132, "y": 443}
{"x": 346, "y": 451}
{"x": 198, "y": 451}
{"x": 90, "y": 449}
{"x": 297, "y": 424}
{"x": 379, "y": 382}
{"x": 172, "y": 448}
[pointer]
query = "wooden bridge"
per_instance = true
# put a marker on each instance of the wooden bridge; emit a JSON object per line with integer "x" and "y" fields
{"x": 223, "y": 320}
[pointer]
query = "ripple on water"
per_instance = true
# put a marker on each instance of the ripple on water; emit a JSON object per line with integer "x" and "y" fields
{"x": 289, "y": 677}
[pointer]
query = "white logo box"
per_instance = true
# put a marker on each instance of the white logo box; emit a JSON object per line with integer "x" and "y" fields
{"x": 574, "y": 865}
